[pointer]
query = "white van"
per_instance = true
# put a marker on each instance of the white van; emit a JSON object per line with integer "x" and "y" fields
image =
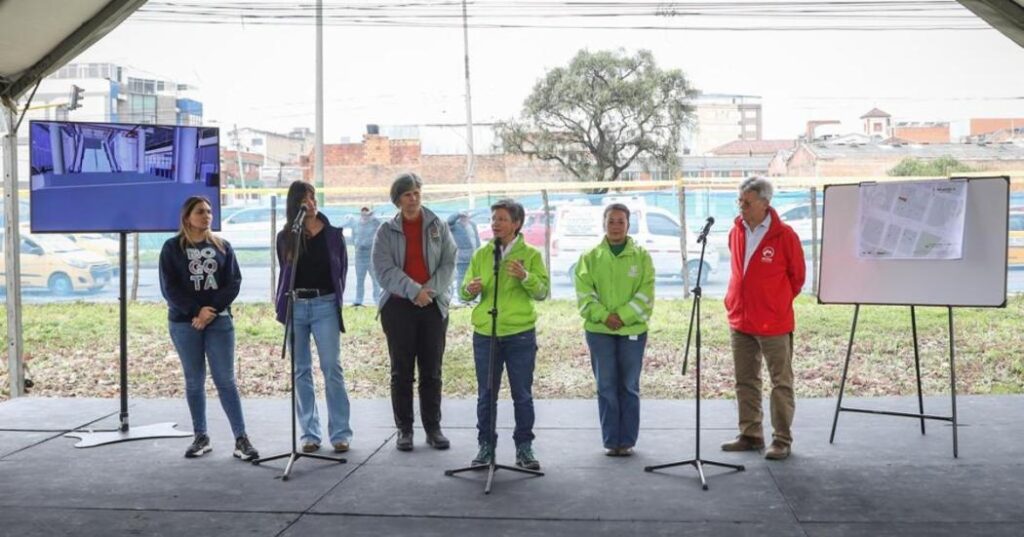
{"x": 580, "y": 228}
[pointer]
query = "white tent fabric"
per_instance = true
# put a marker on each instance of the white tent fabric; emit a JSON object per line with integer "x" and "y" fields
{"x": 37, "y": 37}
{"x": 1007, "y": 16}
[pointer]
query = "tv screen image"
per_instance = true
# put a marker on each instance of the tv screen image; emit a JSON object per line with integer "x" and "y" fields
{"x": 108, "y": 177}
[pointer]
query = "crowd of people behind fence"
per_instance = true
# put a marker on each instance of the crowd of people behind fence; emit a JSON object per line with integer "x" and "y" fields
{"x": 421, "y": 264}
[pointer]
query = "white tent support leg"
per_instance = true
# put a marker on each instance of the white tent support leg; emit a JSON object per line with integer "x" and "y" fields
{"x": 12, "y": 261}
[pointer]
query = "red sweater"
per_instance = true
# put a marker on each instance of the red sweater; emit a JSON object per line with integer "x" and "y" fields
{"x": 760, "y": 302}
{"x": 415, "y": 266}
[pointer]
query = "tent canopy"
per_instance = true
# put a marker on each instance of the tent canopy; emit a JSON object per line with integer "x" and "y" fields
{"x": 37, "y": 37}
{"x": 1007, "y": 16}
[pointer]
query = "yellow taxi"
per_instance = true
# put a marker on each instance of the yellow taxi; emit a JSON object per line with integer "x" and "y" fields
{"x": 56, "y": 263}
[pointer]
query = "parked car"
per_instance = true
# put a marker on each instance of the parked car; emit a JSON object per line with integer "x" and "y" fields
{"x": 580, "y": 228}
{"x": 1016, "y": 239}
{"x": 799, "y": 218}
{"x": 56, "y": 263}
{"x": 250, "y": 228}
{"x": 533, "y": 228}
{"x": 98, "y": 243}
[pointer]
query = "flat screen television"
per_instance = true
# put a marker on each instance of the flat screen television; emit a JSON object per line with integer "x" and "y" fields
{"x": 112, "y": 177}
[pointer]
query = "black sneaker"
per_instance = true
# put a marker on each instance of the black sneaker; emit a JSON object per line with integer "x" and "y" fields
{"x": 199, "y": 447}
{"x": 403, "y": 442}
{"x": 525, "y": 458}
{"x": 437, "y": 440}
{"x": 485, "y": 455}
{"x": 244, "y": 449}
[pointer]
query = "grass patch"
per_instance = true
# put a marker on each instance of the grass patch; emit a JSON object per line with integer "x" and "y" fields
{"x": 72, "y": 351}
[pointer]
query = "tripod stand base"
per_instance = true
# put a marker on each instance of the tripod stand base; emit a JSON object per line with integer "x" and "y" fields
{"x": 294, "y": 456}
{"x": 491, "y": 468}
{"x": 699, "y": 465}
{"x": 98, "y": 438}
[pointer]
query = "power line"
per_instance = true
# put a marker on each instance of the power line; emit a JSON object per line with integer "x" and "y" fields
{"x": 919, "y": 15}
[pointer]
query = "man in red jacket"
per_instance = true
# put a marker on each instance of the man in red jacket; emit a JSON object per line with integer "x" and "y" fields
{"x": 767, "y": 274}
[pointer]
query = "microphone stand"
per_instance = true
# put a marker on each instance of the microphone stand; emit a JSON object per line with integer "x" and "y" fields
{"x": 289, "y": 345}
{"x": 697, "y": 462}
{"x": 495, "y": 383}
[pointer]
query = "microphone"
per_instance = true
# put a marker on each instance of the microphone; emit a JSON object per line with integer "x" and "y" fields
{"x": 497, "y": 254}
{"x": 299, "y": 218}
{"x": 703, "y": 237}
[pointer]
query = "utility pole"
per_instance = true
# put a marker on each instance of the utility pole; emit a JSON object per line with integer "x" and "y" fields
{"x": 318, "y": 169}
{"x": 12, "y": 248}
{"x": 470, "y": 164}
{"x": 241, "y": 170}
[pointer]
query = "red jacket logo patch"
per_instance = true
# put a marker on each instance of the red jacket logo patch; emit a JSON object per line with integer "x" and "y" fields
{"x": 767, "y": 254}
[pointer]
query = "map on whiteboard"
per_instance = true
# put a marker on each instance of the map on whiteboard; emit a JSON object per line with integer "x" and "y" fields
{"x": 916, "y": 220}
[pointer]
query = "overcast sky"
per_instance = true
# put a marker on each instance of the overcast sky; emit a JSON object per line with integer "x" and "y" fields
{"x": 263, "y": 76}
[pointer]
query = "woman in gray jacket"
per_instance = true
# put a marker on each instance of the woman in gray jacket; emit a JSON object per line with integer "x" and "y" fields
{"x": 414, "y": 261}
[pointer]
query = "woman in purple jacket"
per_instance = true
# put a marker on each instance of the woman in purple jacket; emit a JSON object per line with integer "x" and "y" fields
{"x": 319, "y": 285}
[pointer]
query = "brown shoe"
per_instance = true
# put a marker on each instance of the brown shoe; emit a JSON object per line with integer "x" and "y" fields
{"x": 310, "y": 447}
{"x": 777, "y": 451}
{"x": 341, "y": 447}
{"x": 743, "y": 443}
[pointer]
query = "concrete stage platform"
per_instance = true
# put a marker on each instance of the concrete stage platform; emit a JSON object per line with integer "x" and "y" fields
{"x": 880, "y": 478}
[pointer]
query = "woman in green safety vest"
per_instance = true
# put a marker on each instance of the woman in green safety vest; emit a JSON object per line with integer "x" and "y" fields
{"x": 615, "y": 294}
{"x": 522, "y": 279}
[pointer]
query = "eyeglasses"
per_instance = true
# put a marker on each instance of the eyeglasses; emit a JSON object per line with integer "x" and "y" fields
{"x": 744, "y": 203}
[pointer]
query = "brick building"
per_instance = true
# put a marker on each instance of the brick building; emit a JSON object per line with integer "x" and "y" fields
{"x": 252, "y": 164}
{"x": 877, "y": 124}
{"x": 376, "y": 160}
{"x": 922, "y": 132}
{"x": 752, "y": 148}
{"x": 837, "y": 160}
{"x": 986, "y": 125}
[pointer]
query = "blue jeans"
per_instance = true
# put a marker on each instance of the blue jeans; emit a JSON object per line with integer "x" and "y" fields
{"x": 362, "y": 268}
{"x": 617, "y": 362}
{"x": 318, "y": 317}
{"x": 216, "y": 344}
{"x": 518, "y": 353}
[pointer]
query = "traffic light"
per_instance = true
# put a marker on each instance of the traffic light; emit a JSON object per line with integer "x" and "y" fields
{"x": 77, "y": 94}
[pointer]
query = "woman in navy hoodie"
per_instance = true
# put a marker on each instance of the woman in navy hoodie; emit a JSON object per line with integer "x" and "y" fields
{"x": 200, "y": 279}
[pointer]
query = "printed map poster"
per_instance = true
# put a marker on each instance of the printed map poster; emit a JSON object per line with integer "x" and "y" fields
{"x": 912, "y": 220}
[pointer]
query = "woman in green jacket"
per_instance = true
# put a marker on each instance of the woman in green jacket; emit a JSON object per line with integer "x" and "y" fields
{"x": 615, "y": 294}
{"x": 522, "y": 279}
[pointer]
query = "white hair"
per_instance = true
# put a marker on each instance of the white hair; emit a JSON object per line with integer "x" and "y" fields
{"x": 759, "y": 185}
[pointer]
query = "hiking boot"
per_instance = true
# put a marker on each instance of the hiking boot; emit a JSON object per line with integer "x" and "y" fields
{"x": 341, "y": 447}
{"x": 525, "y": 458}
{"x": 777, "y": 451}
{"x": 404, "y": 441}
{"x": 437, "y": 440}
{"x": 485, "y": 455}
{"x": 244, "y": 449}
{"x": 309, "y": 446}
{"x": 200, "y": 446}
{"x": 743, "y": 443}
